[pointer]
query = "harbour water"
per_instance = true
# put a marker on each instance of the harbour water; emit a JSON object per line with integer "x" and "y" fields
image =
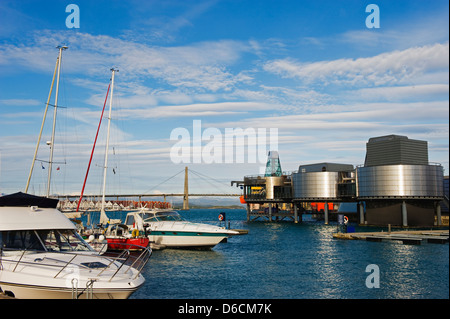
{"x": 283, "y": 260}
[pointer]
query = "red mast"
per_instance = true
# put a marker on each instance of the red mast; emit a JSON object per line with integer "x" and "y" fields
{"x": 93, "y": 148}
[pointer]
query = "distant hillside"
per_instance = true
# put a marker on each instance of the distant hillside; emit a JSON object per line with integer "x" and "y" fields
{"x": 210, "y": 202}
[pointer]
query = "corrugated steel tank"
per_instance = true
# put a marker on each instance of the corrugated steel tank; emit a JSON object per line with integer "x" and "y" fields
{"x": 400, "y": 181}
{"x": 317, "y": 185}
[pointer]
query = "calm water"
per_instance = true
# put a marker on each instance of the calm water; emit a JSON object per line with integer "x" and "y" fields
{"x": 302, "y": 261}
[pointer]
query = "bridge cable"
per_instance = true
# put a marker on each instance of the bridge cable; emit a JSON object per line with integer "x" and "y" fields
{"x": 207, "y": 179}
{"x": 182, "y": 171}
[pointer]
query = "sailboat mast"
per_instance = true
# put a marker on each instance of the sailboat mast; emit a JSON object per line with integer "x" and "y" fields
{"x": 52, "y": 143}
{"x": 42, "y": 125}
{"x": 102, "y": 212}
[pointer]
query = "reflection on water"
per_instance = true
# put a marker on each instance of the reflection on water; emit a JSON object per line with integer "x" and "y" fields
{"x": 287, "y": 260}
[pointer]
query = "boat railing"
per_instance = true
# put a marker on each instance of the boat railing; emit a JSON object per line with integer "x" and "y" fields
{"x": 126, "y": 257}
{"x": 113, "y": 264}
{"x": 123, "y": 257}
{"x": 89, "y": 289}
{"x": 142, "y": 260}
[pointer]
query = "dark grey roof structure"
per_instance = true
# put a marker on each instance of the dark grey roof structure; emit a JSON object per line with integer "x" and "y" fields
{"x": 395, "y": 150}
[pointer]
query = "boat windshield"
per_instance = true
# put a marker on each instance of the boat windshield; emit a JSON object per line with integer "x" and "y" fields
{"x": 161, "y": 216}
{"x": 43, "y": 240}
{"x": 168, "y": 216}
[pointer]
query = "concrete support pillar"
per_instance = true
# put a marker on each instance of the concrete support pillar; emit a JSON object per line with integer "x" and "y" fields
{"x": 295, "y": 213}
{"x": 326, "y": 213}
{"x": 404, "y": 215}
{"x": 438, "y": 214}
{"x": 270, "y": 211}
{"x": 361, "y": 213}
{"x": 248, "y": 212}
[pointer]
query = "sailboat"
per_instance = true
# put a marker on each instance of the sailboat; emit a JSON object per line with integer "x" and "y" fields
{"x": 118, "y": 236}
{"x": 42, "y": 256}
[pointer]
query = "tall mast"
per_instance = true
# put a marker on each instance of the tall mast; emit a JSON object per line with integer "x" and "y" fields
{"x": 52, "y": 143}
{"x": 103, "y": 217}
{"x": 42, "y": 125}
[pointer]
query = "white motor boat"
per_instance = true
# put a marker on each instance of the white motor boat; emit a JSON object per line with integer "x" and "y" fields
{"x": 42, "y": 256}
{"x": 167, "y": 228}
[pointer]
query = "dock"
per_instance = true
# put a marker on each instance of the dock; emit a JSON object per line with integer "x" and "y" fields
{"x": 408, "y": 237}
{"x": 240, "y": 231}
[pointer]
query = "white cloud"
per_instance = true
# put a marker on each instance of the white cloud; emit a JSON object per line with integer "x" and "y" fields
{"x": 419, "y": 30}
{"x": 387, "y": 68}
{"x": 203, "y": 66}
{"x": 198, "y": 110}
{"x": 148, "y": 26}
{"x": 398, "y": 93}
{"x": 20, "y": 102}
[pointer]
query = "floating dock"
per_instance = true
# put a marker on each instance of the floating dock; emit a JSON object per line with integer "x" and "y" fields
{"x": 410, "y": 237}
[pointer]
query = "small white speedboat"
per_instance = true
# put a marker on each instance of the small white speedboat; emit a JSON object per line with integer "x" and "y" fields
{"x": 42, "y": 256}
{"x": 167, "y": 228}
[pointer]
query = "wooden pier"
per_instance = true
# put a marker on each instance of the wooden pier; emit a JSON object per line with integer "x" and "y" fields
{"x": 409, "y": 237}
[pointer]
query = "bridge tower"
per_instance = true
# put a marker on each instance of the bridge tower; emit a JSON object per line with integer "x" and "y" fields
{"x": 186, "y": 190}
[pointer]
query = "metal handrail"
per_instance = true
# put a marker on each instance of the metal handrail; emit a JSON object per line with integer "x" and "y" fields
{"x": 143, "y": 259}
{"x": 74, "y": 288}
{"x": 124, "y": 256}
{"x": 65, "y": 266}
{"x": 118, "y": 268}
{"x": 89, "y": 289}
{"x": 18, "y": 262}
{"x": 124, "y": 252}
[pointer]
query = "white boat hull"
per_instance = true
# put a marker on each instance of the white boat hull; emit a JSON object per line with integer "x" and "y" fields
{"x": 167, "y": 229}
{"x": 44, "y": 276}
{"x": 184, "y": 234}
{"x": 186, "y": 241}
{"x": 46, "y": 292}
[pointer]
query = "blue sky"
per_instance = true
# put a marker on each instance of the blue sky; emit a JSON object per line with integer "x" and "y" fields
{"x": 310, "y": 69}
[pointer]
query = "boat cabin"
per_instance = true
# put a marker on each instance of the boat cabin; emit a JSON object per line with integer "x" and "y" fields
{"x": 30, "y": 222}
{"x": 152, "y": 216}
{"x": 53, "y": 240}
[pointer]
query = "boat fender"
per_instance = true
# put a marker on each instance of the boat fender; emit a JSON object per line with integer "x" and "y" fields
{"x": 135, "y": 233}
